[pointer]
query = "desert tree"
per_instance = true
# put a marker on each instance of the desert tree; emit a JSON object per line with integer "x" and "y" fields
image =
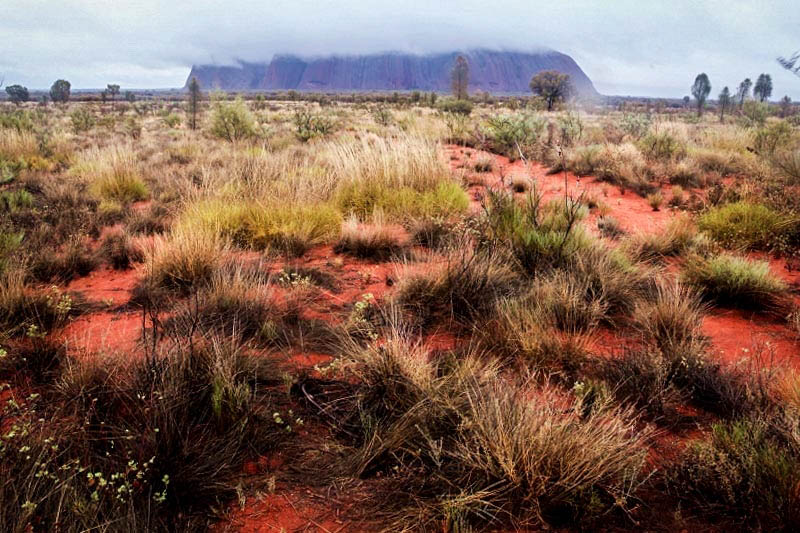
{"x": 459, "y": 78}
{"x": 130, "y": 96}
{"x": 194, "y": 102}
{"x": 60, "y": 91}
{"x": 763, "y": 87}
{"x": 552, "y": 86}
{"x": 700, "y": 90}
{"x": 786, "y": 106}
{"x": 792, "y": 64}
{"x": 744, "y": 91}
{"x": 724, "y": 102}
{"x": 112, "y": 90}
{"x": 686, "y": 100}
{"x": 18, "y": 93}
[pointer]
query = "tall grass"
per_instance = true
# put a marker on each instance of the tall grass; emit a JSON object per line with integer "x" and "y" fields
{"x": 113, "y": 174}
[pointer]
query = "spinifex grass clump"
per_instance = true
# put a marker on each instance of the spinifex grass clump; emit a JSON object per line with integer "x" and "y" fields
{"x": 737, "y": 282}
{"x": 463, "y": 446}
{"x": 747, "y": 225}
{"x": 461, "y": 290}
{"x": 375, "y": 240}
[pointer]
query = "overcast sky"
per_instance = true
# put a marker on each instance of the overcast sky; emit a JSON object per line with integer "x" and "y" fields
{"x": 629, "y": 47}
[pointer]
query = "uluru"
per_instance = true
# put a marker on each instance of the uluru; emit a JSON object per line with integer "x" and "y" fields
{"x": 495, "y": 71}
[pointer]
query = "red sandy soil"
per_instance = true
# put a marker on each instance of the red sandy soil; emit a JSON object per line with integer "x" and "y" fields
{"x": 631, "y": 210}
{"x": 113, "y": 330}
{"x": 294, "y": 509}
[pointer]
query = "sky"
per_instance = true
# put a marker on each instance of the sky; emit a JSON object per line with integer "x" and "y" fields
{"x": 627, "y": 47}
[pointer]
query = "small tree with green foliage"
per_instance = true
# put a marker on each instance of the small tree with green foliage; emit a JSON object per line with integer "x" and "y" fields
{"x": 113, "y": 91}
{"x": 459, "y": 78}
{"x": 60, "y": 91}
{"x": 130, "y": 96}
{"x": 763, "y": 87}
{"x": 18, "y": 93}
{"x": 724, "y": 102}
{"x": 744, "y": 91}
{"x": 700, "y": 90}
{"x": 232, "y": 121}
{"x": 552, "y": 86}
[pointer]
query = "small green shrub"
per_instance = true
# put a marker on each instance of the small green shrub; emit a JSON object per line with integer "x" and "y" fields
{"x": 747, "y": 469}
{"x": 232, "y": 121}
{"x": 82, "y": 120}
{"x": 458, "y": 107}
{"x": 309, "y": 125}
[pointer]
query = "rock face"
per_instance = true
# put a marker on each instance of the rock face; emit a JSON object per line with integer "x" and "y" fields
{"x": 497, "y": 72}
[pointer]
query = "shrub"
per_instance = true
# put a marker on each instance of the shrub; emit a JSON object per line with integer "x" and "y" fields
{"x": 290, "y": 229}
{"x": 736, "y": 281}
{"x": 677, "y": 196}
{"x": 431, "y": 232}
{"x": 232, "y": 121}
{"x": 746, "y": 225}
{"x": 549, "y": 326}
{"x": 113, "y": 175}
{"x": 75, "y": 260}
{"x": 540, "y": 237}
{"x": 82, "y": 120}
{"x": 609, "y": 227}
{"x": 124, "y": 446}
{"x": 172, "y": 120}
{"x": 459, "y": 107}
{"x": 772, "y": 137}
{"x": 24, "y": 308}
{"x": 636, "y": 125}
{"x": 508, "y": 134}
{"x": 672, "y": 320}
{"x": 662, "y": 146}
{"x": 308, "y": 125}
{"x": 483, "y": 163}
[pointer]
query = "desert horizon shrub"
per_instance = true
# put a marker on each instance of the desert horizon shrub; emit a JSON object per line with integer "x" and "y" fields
{"x": 232, "y": 121}
{"x": 508, "y": 134}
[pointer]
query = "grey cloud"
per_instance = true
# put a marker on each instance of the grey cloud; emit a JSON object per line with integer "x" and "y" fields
{"x": 626, "y": 46}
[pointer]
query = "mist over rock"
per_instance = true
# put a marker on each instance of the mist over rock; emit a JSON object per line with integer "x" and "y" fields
{"x": 497, "y": 72}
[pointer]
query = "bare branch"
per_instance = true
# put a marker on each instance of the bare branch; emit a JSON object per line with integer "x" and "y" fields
{"x": 792, "y": 64}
